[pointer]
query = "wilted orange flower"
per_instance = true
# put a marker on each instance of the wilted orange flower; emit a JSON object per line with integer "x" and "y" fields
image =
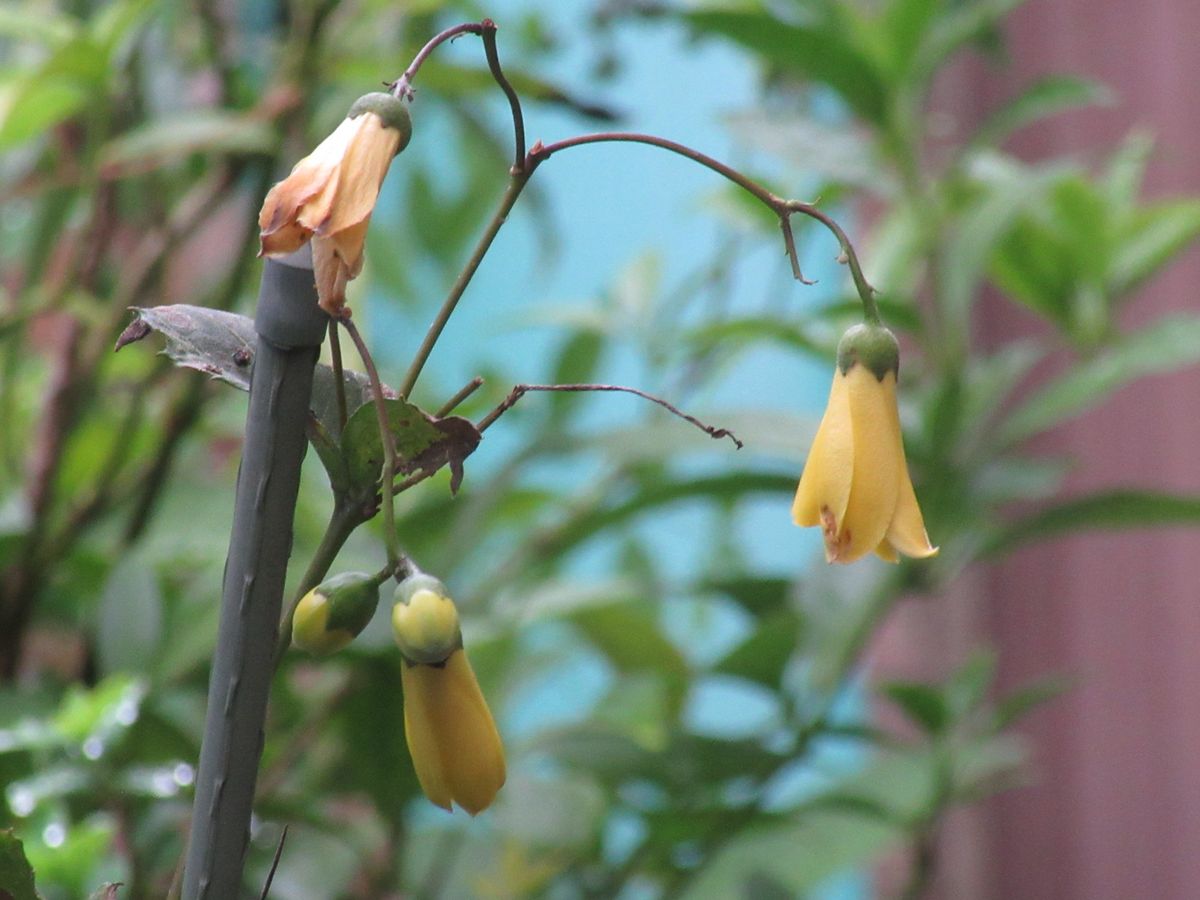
{"x": 856, "y": 484}
{"x": 330, "y": 194}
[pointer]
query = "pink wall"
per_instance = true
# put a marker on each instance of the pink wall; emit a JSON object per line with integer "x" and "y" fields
{"x": 1115, "y": 811}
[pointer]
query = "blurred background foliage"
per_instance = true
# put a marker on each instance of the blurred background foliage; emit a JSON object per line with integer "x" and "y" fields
{"x": 698, "y": 730}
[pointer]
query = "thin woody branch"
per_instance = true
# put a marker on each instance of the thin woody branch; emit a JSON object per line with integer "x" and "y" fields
{"x": 782, "y": 208}
{"x": 388, "y": 477}
{"x": 521, "y": 390}
{"x": 514, "y": 101}
{"x": 402, "y": 86}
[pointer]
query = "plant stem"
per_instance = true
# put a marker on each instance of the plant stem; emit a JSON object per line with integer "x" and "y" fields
{"x": 339, "y": 379}
{"x": 515, "y": 185}
{"x": 521, "y": 390}
{"x": 391, "y": 540}
{"x": 342, "y": 521}
{"x": 781, "y": 207}
{"x": 402, "y": 86}
{"x": 466, "y": 391}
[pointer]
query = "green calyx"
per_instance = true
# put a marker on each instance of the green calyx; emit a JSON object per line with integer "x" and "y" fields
{"x": 871, "y": 345}
{"x": 392, "y": 111}
{"x": 335, "y": 612}
{"x": 425, "y": 621}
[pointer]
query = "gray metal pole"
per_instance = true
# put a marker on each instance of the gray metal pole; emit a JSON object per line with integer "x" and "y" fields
{"x": 290, "y": 329}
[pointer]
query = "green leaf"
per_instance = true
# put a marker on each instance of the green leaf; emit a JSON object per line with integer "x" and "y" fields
{"x": 906, "y": 23}
{"x": 819, "y": 53}
{"x": 39, "y": 106}
{"x": 1025, "y": 699}
{"x": 961, "y": 24}
{"x": 764, "y": 655}
{"x": 1108, "y": 510}
{"x": 628, "y": 634}
{"x": 1154, "y": 236}
{"x": 1170, "y": 343}
{"x": 967, "y": 688}
{"x": 16, "y": 875}
{"x": 922, "y": 703}
{"x": 1126, "y": 170}
{"x": 171, "y": 139}
{"x": 577, "y": 363}
{"x": 759, "y": 596}
{"x": 798, "y": 855}
{"x": 972, "y": 244}
{"x": 1044, "y": 98}
{"x": 423, "y": 443}
{"x": 26, "y": 22}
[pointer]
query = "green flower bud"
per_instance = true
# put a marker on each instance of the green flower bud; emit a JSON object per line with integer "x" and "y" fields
{"x": 392, "y": 112}
{"x": 873, "y": 346}
{"x": 425, "y": 621}
{"x": 335, "y": 612}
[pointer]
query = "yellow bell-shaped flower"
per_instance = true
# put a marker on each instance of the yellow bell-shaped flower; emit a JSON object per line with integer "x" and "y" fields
{"x": 455, "y": 747}
{"x": 856, "y": 484}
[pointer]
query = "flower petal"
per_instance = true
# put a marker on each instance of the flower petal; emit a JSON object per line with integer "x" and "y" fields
{"x": 459, "y": 733}
{"x": 331, "y": 275}
{"x": 421, "y": 732}
{"x": 294, "y": 207}
{"x": 824, "y": 488}
{"x": 887, "y": 552}
{"x": 878, "y": 456}
{"x": 907, "y": 531}
{"x": 363, "y": 168}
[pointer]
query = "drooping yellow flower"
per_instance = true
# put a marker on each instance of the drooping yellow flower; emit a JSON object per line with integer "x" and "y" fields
{"x": 856, "y": 484}
{"x": 330, "y": 194}
{"x": 455, "y": 747}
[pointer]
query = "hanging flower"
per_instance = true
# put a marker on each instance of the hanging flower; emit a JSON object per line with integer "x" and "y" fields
{"x": 330, "y": 194}
{"x": 451, "y": 735}
{"x": 856, "y": 484}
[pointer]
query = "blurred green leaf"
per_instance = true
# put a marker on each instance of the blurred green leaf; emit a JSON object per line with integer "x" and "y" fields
{"x": 967, "y": 687}
{"x": 757, "y": 595}
{"x": 1155, "y": 234}
{"x": 969, "y": 249}
{"x": 577, "y": 363}
{"x": 799, "y": 856}
{"x": 38, "y": 106}
{"x": 16, "y": 875}
{"x": 819, "y": 52}
{"x": 763, "y": 656}
{"x": 961, "y": 24}
{"x": 628, "y": 634}
{"x": 923, "y": 704}
{"x": 170, "y": 139}
{"x": 38, "y": 23}
{"x": 1024, "y": 700}
{"x": 102, "y": 711}
{"x": 1046, "y": 97}
{"x": 1108, "y": 510}
{"x": 1170, "y": 343}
